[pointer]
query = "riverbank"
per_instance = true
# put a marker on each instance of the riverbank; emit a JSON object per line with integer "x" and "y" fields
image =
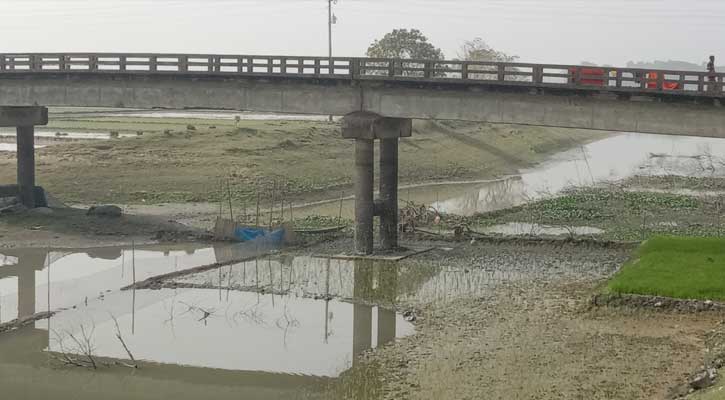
{"x": 180, "y": 160}
{"x": 179, "y": 169}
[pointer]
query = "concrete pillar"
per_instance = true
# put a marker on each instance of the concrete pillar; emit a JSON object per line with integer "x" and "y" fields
{"x": 364, "y": 206}
{"x": 26, "y": 165}
{"x": 389, "y": 193}
{"x": 365, "y": 128}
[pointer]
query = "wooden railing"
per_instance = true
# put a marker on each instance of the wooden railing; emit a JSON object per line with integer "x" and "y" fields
{"x": 468, "y": 72}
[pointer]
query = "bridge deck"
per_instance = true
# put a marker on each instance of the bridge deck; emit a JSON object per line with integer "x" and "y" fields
{"x": 610, "y": 79}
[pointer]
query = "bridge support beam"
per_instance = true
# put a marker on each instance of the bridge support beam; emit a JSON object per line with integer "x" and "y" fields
{"x": 365, "y": 128}
{"x": 24, "y": 120}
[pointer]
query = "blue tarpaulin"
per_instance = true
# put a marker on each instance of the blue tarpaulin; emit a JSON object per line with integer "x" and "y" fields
{"x": 249, "y": 234}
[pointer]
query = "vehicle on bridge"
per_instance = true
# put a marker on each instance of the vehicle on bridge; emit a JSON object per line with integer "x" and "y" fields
{"x": 599, "y": 77}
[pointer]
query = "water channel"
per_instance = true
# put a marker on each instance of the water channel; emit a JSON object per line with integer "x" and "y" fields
{"x": 604, "y": 161}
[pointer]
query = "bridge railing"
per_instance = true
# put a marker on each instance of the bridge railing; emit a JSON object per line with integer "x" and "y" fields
{"x": 466, "y": 72}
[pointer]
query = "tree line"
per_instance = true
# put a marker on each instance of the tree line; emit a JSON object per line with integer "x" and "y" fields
{"x": 404, "y": 43}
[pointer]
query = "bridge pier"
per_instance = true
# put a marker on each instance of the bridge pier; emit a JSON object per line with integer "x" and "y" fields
{"x": 26, "y": 165}
{"x": 24, "y": 120}
{"x": 365, "y": 128}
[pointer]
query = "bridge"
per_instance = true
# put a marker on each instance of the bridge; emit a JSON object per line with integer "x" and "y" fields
{"x": 379, "y": 97}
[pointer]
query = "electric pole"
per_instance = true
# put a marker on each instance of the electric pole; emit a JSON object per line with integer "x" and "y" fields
{"x": 329, "y": 29}
{"x": 331, "y": 20}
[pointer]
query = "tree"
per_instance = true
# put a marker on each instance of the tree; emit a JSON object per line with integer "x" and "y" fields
{"x": 403, "y": 43}
{"x": 478, "y": 50}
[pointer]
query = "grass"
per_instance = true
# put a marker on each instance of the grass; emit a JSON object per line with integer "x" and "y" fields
{"x": 622, "y": 214}
{"x": 678, "y": 267}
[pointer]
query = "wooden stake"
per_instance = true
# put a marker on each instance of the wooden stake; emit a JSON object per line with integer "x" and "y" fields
{"x": 271, "y": 206}
{"x": 258, "y": 196}
{"x": 339, "y": 215}
{"x": 221, "y": 198}
{"x": 229, "y": 192}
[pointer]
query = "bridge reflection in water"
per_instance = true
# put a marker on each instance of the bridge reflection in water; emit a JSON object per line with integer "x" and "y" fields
{"x": 275, "y": 338}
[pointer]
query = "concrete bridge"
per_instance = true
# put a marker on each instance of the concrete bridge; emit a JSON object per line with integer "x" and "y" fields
{"x": 379, "y": 97}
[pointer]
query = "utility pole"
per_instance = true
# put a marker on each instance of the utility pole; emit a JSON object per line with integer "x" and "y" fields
{"x": 329, "y": 32}
{"x": 331, "y": 20}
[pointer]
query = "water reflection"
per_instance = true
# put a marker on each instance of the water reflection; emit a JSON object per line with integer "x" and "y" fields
{"x": 78, "y": 275}
{"x": 240, "y": 331}
{"x": 265, "y": 343}
{"x": 379, "y": 282}
{"x": 270, "y": 327}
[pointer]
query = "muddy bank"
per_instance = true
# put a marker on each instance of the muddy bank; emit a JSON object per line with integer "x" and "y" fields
{"x": 532, "y": 334}
{"x": 658, "y": 303}
{"x": 73, "y": 227}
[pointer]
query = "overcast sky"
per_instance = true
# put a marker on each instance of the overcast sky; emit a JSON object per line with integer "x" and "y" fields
{"x": 547, "y": 31}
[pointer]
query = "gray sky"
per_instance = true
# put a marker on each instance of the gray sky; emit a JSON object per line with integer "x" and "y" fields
{"x": 547, "y": 31}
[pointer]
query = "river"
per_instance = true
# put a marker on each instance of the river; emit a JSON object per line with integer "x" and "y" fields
{"x": 604, "y": 161}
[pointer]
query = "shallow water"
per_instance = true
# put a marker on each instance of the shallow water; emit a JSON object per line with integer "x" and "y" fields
{"x": 52, "y": 135}
{"x": 12, "y": 147}
{"x": 268, "y": 334}
{"x": 524, "y": 228}
{"x": 207, "y": 114}
{"x": 604, "y": 161}
{"x": 233, "y": 330}
{"x": 76, "y": 276}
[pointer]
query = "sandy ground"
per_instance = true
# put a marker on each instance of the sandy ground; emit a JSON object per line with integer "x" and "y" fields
{"x": 535, "y": 337}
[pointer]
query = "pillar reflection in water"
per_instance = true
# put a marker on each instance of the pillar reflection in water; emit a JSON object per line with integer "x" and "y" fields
{"x": 28, "y": 263}
{"x": 374, "y": 284}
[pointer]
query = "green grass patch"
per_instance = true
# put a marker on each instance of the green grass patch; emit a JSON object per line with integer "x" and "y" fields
{"x": 622, "y": 215}
{"x": 678, "y": 267}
